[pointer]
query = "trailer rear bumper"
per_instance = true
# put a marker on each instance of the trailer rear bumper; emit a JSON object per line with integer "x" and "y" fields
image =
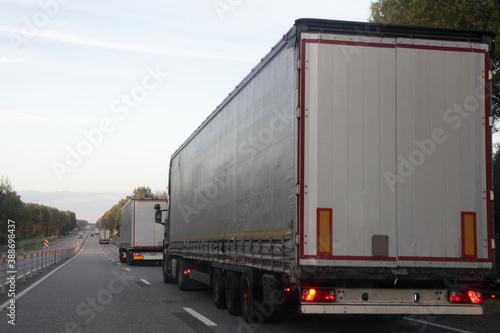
{"x": 143, "y": 256}
{"x": 402, "y": 309}
{"x": 392, "y": 301}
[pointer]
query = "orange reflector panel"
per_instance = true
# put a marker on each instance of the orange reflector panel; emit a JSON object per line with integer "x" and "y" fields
{"x": 324, "y": 231}
{"x": 469, "y": 246}
{"x": 138, "y": 257}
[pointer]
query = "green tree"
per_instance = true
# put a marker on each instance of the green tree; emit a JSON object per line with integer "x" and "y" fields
{"x": 471, "y": 14}
{"x": 111, "y": 218}
{"x": 11, "y": 207}
{"x": 80, "y": 224}
{"x": 142, "y": 192}
{"x": 31, "y": 219}
{"x": 160, "y": 195}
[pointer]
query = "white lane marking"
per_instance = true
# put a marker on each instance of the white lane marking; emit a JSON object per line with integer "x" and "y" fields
{"x": 25, "y": 291}
{"x": 145, "y": 281}
{"x": 104, "y": 254}
{"x": 200, "y": 317}
{"x": 127, "y": 269}
{"x": 437, "y": 325}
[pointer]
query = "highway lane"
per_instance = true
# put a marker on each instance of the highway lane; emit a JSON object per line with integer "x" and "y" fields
{"x": 95, "y": 293}
{"x": 91, "y": 293}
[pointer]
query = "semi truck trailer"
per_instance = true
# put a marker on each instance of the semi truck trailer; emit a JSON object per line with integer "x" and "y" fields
{"x": 141, "y": 239}
{"x": 348, "y": 173}
{"x": 104, "y": 235}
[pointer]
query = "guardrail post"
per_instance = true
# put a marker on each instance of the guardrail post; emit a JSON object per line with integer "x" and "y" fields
{"x": 4, "y": 272}
{"x": 25, "y": 268}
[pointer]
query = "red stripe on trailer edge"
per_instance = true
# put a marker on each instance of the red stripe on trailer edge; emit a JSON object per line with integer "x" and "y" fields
{"x": 488, "y": 147}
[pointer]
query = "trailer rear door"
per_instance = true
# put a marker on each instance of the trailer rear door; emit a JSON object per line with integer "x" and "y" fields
{"x": 394, "y": 152}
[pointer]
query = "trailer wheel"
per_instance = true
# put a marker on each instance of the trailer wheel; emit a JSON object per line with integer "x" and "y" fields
{"x": 122, "y": 255}
{"x": 167, "y": 277}
{"x": 128, "y": 258}
{"x": 218, "y": 290}
{"x": 233, "y": 293}
{"x": 246, "y": 298}
{"x": 181, "y": 278}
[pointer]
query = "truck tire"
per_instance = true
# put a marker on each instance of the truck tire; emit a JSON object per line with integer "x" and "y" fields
{"x": 246, "y": 292}
{"x": 167, "y": 277}
{"x": 128, "y": 260}
{"x": 233, "y": 302}
{"x": 122, "y": 255}
{"x": 218, "y": 288}
{"x": 181, "y": 278}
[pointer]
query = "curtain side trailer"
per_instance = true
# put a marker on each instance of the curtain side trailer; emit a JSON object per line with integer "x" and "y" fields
{"x": 349, "y": 172}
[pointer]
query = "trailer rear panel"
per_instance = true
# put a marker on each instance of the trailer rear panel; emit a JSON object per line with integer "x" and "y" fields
{"x": 395, "y": 152}
{"x": 137, "y": 226}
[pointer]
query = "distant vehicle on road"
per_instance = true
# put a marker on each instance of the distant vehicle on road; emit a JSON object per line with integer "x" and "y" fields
{"x": 141, "y": 239}
{"x": 91, "y": 235}
{"x": 80, "y": 235}
{"x": 104, "y": 236}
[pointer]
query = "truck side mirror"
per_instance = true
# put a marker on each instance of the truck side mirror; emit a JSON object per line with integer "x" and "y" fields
{"x": 158, "y": 214}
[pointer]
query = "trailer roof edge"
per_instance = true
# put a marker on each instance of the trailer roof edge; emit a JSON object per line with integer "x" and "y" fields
{"x": 392, "y": 30}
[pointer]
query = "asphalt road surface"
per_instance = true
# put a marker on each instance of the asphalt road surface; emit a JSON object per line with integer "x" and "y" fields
{"x": 93, "y": 292}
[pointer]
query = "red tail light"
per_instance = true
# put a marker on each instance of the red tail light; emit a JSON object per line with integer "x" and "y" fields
{"x": 465, "y": 296}
{"x": 187, "y": 271}
{"x": 318, "y": 295}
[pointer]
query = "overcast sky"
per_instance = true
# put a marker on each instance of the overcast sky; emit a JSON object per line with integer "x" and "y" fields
{"x": 95, "y": 95}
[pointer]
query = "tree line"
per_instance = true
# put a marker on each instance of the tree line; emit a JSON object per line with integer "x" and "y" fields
{"x": 32, "y": 220}
{"x": 111, "y": 219}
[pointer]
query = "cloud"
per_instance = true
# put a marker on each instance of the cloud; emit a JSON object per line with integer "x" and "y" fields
{"x": 7, "y": 60}
{"x": 184, "y": 48}
{"x": 16, "y": 115}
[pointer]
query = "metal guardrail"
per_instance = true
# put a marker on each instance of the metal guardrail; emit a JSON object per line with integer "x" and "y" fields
{"x": 30, "y": 264}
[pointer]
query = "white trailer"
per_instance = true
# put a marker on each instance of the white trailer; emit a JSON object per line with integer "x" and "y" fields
{"x": 141, "y": 239}
{"x": 104, "y": 235}
{"x": 349, "y": 172}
